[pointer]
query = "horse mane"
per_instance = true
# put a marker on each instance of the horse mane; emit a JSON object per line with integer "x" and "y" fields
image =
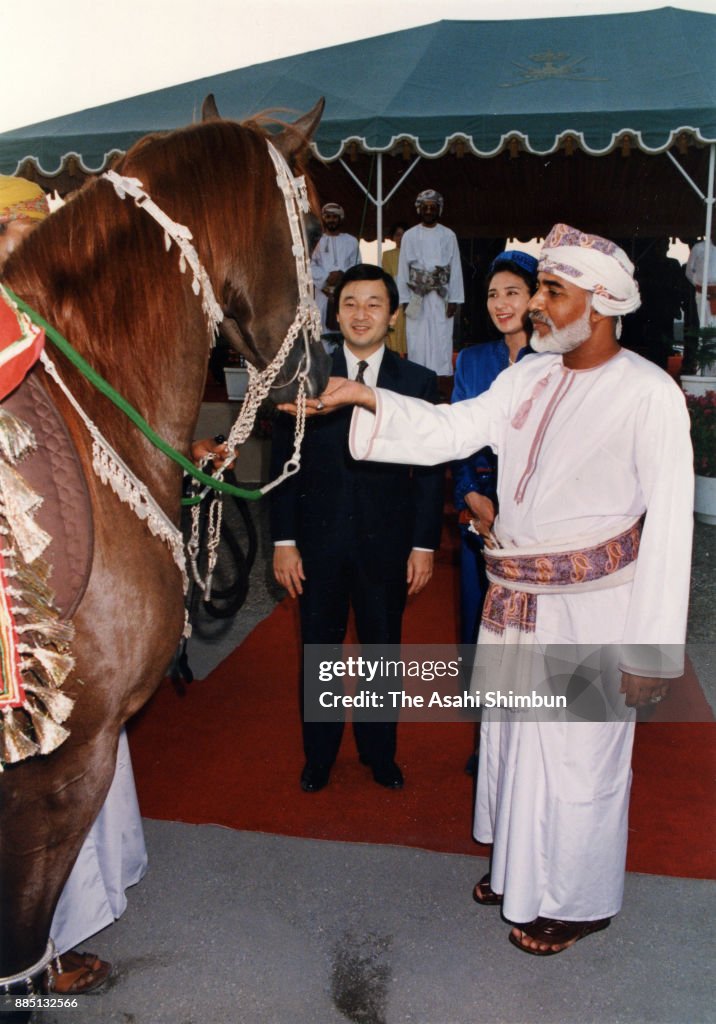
{"x": 98, "y": 270}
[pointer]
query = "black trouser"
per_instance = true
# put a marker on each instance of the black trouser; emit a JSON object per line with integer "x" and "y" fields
{"x": 378, "y": 604}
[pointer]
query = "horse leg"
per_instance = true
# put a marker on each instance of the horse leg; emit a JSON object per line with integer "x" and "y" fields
{"x": 48, "y": 808}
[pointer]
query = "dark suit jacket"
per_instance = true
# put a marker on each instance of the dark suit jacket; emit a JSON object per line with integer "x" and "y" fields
{"x": 336, "y": 505}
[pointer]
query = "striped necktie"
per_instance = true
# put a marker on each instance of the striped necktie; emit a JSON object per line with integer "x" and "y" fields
{"x": 362, "y": 367}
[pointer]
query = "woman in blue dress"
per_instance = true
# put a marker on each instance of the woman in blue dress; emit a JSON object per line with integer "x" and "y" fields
{"x": 511, "y": 282}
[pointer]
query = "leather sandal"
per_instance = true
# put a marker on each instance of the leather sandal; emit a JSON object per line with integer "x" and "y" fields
{"x": 551, "y": 932}
{"x": 484, "y": 894}
{"x": 81, "y": 972}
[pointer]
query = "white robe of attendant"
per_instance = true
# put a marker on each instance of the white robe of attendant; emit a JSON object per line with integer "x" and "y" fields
{"x": 599, "y": 447}
{"x": 112, "y": 858}
{"x": 429, "y": 335}
{"x": 332, "y": 252}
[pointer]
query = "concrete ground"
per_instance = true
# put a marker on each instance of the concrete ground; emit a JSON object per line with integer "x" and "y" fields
{"x": 244, "y": 928}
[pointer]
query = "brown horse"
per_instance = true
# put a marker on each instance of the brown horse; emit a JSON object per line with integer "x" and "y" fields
{"x": 99, "y": 272}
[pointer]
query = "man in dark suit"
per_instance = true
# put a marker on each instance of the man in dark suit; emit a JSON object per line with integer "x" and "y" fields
{"x": 350, "y": 534}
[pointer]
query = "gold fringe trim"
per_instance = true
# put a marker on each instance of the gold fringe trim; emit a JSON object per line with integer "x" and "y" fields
{"x": 57, "y": 704}
{"x": 48, "y": 734}
{"x": 18, "y": 504}
{"x": 17, "y": 745}
{"x": 44, "y": 638}
{"x": 16, "y": 437}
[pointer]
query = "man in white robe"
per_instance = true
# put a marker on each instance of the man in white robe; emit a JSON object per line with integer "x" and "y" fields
{"x": 592, "y": 439}
{"x": 334, "y": 253}
{"x": 430, "y": 286}
{"x": 112, "y": 858}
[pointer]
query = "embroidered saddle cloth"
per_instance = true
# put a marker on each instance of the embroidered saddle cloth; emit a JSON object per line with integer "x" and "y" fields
{"x": 53, "y": 471}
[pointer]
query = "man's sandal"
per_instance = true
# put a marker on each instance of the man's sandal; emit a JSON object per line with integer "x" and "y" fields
{"x": 81, "y": 972}
{"x": 484, "y": 894}
{"x": 550, "y": 932}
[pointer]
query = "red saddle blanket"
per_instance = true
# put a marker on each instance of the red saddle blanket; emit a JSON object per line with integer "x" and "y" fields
{"x": 21, "y": 343}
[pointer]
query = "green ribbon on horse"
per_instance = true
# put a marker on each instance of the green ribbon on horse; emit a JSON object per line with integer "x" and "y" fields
{"x": 57, "y": 339}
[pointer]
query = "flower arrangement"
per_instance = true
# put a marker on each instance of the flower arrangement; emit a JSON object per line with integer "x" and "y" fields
{"x": 702, "y": 410}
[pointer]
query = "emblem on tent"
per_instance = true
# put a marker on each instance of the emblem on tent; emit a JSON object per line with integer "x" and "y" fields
{"x": 550, "y": 65}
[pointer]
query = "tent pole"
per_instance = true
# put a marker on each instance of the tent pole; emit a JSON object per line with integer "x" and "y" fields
{"x": 708, "y": 199}
{"x": 402, "y": 178}
{"x": 686, "y": 174}
{"x": 707, "y": 234}
{"x": 378, "y": 200}
{"x": 357, "y": 180}
{"x": 379, "y": 208}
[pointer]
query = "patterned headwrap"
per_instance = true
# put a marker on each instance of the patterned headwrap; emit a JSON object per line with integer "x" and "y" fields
{"x": 595, "y": 264}
{"x": 429, "y": 195}
{"x": 21, "y": 199}
{"x": 333, "y": 208}
{"x": 522, "y": 259}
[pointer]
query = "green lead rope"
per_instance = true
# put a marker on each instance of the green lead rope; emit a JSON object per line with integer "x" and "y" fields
{"x": 114, "y": 396}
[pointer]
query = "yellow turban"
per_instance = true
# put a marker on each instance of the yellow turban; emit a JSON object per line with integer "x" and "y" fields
{"x": 21, "y": 199}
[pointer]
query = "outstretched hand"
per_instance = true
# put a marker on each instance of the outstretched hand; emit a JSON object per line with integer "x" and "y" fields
{"x": 339, "y": 393}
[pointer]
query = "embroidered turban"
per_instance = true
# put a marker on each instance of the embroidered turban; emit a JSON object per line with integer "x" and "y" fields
{"x": 21, "y": 199}
{"x": 595, "y": 264}
{"x": 333, "y": 208}
{"x": 429, "y": 195}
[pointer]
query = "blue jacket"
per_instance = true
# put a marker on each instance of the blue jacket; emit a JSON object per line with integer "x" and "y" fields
{"x": 475, "y": 371}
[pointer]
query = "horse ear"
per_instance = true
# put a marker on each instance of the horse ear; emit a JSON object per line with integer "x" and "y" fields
{"x": 209, "y": 109}
{"x": 296, "y": 137}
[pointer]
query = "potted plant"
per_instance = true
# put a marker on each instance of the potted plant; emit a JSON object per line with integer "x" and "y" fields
{"x": 702, "y": 410}
{"x": 700, "y": 353}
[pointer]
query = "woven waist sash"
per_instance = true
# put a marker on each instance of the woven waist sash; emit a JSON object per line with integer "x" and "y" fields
{"x": 518, "y": 575}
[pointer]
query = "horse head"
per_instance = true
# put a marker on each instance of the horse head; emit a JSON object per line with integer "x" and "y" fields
{"x": 257, "y": 328}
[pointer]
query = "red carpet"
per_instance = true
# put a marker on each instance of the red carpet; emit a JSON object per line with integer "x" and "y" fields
{"x": 229, "y": 753}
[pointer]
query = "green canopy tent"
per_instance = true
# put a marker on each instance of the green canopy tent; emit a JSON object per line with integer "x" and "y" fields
{"x": 592, "y": 119}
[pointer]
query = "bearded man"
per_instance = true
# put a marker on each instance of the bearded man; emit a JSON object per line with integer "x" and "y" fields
{"x": 595, "y": 516}
{"x": 430, "y": 285}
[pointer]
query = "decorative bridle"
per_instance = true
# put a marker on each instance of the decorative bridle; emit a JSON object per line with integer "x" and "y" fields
{"x": 109, "y": 465}
{"x": 307, "y": 320}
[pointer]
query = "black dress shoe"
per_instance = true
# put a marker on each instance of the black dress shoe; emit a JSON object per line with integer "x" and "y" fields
{"x": 387, "y": 773}
{"x": 314, "y": 777}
